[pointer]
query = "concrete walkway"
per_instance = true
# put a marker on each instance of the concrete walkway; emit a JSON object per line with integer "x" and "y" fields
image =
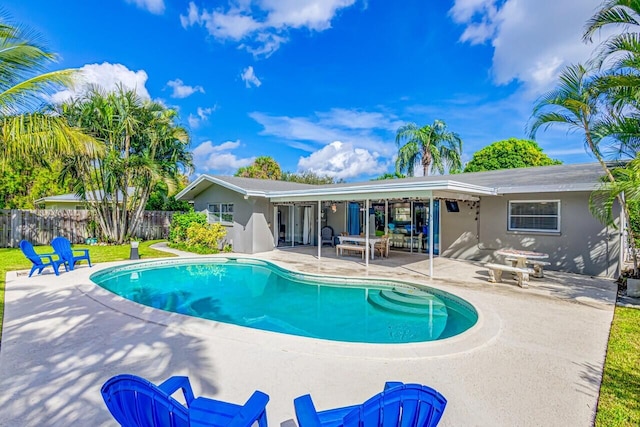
{"x": 534, "y": 358}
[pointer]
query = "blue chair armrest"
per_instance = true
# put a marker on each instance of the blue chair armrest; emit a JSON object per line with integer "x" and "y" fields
{"x": 306, "y": 412}
{"x": 252, "y": 411}
{"x": 86, "y": 251}
{"x": 171, "y": 385}
{"x": 392, "y": 384}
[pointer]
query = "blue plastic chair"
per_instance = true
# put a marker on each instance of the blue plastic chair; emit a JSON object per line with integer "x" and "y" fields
{"x": 62, "y": 248}
{"x": 136, "y": 402}
{"x": 40, "y": 261}
{"x": 402, "y": 405}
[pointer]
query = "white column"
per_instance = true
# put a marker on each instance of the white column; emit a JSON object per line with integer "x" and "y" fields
{"x": 431, "y": 243}
{"x": 292, "y": 213}
{"x": 412, "y": 213}
{"x": 319, "y": 237}
{"x": 366, "y": 232}
{"x": 386, "y": 216}
{"x": 275, "y": 226}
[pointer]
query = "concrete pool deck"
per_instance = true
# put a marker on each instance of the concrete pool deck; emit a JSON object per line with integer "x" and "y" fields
{"x": 535, "y": 357}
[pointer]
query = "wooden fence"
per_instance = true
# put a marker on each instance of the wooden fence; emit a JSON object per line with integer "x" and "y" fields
{"x": 41, "y": 226}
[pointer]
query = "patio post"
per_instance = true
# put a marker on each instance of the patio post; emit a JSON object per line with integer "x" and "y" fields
{"x": 292, "y": 212}
{"x": 275, "y": 226}
{"x": 366, "y": 232}
{"x": 431, "y": 242}
{"x": 319, "y": 238}
{"x": 386, "y": 216}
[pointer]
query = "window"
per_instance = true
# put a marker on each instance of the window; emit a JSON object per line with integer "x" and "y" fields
{"x": 534, "y": 215}
{"x": 220, "y": 212}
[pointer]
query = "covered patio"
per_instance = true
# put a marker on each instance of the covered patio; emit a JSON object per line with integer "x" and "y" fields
{"x": 412, "y": 194}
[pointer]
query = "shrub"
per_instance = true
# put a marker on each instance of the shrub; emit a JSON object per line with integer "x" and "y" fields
{"x": 181, "y": 222}
{"x": 205, "y": 238}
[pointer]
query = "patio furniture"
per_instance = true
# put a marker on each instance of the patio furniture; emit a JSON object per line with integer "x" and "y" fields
{"x": 40, "y": 261}
{"x": 361, "y": 239}
{"x": 326, "y": 236}
{"x": 522, "y": 273}
{"x": 134, "y": 401}
{"x": 383, "y": 246}
{"x": 341, "y": 247}
{"x": 62, "y": 248}
{"x": 522, "y": 259}
{"x": 406, "y": 405}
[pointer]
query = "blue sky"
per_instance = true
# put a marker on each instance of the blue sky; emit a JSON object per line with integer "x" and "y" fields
{"x": 323, "y": 85}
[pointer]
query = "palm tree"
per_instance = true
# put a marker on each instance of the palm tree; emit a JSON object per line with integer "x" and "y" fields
{"x": 25, "y": 131}
{"x": 142, "y": 145}
{"x": 432, "y": 146}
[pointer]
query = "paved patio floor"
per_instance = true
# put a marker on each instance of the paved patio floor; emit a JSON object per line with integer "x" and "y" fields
{"x": 535, "y": 357}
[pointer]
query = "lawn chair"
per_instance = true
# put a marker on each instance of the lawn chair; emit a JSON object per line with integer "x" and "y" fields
{"x": 327, "y": 236}
{"x": 63, "y": 249}
{"x": 40, "y": 261}
{"x": 405, "y": 405}
{"x": 136, "y": 402}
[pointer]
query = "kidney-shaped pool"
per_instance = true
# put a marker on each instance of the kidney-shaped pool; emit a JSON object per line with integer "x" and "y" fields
{"x": 261, "y": 295}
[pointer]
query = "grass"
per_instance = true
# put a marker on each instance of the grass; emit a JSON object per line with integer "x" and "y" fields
{"x": 619, "y": 403}
{"x": 12, "y": 259}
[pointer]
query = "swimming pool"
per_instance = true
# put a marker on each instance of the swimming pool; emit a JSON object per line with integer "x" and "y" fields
{"x": 261, "y": 295}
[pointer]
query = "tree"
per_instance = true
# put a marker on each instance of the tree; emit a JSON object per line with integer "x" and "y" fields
{"x": 263, "y": 167}
{"x": 509, "y": 154}
{"x": 308, "y": 177}
{"x": 25, "y": 131}
{"x": 384, "y": 176}
{"x": 160, "y": 200}
{"x": 431, "y": 146}
{"x": 22, "y": 184}
{"x": 142, "y": 145}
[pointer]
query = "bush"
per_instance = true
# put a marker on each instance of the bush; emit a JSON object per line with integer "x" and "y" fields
{"x": 205, "y": 238}
{"x": 180, "y": 223}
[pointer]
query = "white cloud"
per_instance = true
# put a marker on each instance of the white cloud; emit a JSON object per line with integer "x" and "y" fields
{"x": 153, "y": 6}
{"x": 532, "y": 40}
{"x": 261, "y": 24}
{"x": 343, "y": 161}
{"x": 108, "y": 77}
{"x": 218, "y": 159}
{"x": 249, "y": 77}
{"x": 181, "y": 90}
{"x": 202, "y": 115}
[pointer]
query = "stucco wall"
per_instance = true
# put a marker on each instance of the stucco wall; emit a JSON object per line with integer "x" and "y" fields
{"x": 583, "y": 244}
{"x": 240, "y": 234}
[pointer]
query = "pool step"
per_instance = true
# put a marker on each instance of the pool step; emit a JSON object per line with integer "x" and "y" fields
{"x": 417, "y": 303}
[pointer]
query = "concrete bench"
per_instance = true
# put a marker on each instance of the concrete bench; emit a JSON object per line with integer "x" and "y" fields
{"x": 495, "y": 273}
{"x": 536, "y": 264}
{"x": 350, "y": 247}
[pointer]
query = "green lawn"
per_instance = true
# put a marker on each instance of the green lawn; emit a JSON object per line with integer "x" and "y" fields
{"x": 619, "y": 403}
{"x": 12, "y": 259}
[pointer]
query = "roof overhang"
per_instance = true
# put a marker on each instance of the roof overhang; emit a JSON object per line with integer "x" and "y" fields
{"x": 388, "y": 190}
{"x": 556, "y": 188}
{"x": 205, "y": 181}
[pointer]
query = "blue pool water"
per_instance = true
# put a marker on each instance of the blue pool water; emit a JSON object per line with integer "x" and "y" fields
{"x": 258, "y": 294}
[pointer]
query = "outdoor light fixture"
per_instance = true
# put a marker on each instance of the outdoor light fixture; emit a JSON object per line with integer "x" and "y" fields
{"x": 334, "y": 208}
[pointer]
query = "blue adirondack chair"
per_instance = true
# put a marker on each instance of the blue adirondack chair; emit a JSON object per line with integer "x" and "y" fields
{"x": 40, "y": 261}
{"x": 136, "y": 402}
{"x": 402, "y": 405}
{"x": 62, "y": 247}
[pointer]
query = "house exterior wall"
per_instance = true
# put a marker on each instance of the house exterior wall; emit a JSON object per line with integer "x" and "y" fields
{"x": 583, "y": 244}
{"x": 261, "y": 225}
{"x": 63, "y": 205}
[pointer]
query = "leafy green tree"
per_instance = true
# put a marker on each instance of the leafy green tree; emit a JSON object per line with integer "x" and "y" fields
{"x": 431, "y": 146}
{"x": 509, "y": 154}
{"x": 394, "y": 175}
{"x": 22, "y": 184}
{"x": 308, "y": 177}
{"x": 142, "y": 145}
{"x": 159, "y": 200}
{"x": 26, "y": 132}
{"x": 263, "y": 167}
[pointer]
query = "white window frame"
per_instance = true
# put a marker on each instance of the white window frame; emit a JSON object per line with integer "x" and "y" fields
{"x": 534, "y": 230}
{"x": 214, "y": 217}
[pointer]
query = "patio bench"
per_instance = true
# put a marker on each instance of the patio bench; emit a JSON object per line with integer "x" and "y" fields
{"x": 536, "y": 264}
{"x": 349, "y": 247}
{"x": 495, "y": 273}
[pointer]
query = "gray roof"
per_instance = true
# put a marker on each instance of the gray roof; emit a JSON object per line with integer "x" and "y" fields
{"x": 557, "y": 178}
{"x": 74, "y": 198}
